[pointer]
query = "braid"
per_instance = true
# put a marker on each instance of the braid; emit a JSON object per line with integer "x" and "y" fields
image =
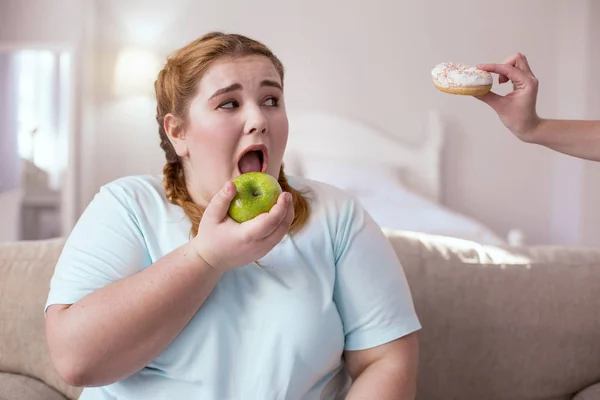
{"x": 175, "y": 88}
{"x": 176, "y": 191}
{"x": 301, "y": 207}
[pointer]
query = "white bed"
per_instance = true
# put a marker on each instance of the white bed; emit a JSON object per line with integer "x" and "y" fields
{"x": 398, "y": 183}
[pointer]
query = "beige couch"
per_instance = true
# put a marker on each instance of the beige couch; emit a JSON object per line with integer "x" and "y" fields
{"x": 499, "y": 323}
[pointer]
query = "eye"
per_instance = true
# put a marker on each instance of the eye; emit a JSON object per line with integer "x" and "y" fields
{"x": 229, "y": 105}
{"x": 271, "y": 102}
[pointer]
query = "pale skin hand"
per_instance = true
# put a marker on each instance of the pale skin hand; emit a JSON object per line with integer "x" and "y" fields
{"x": 120, "y": 328}
{"x": 517, "y": 110}
{"x": 218, "y": 234}
{"x": 386, "y": 372}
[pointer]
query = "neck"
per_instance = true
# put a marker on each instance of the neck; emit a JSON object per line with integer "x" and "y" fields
{"x": 195, "y": 188}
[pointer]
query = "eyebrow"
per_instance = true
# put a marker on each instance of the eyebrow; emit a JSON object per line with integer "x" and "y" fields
{"x": 237, "y": 86}
{"x": 271, "y": 83}
{"x": 230, "y": 88}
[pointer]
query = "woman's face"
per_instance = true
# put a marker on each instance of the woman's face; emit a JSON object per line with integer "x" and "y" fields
{"x": 236, "y": 123}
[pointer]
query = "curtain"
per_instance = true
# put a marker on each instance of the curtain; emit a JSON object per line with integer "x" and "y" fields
{"x": 10, "y": 164}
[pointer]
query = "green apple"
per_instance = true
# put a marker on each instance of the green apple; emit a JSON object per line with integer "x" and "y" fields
{"x": 257, "y": 193}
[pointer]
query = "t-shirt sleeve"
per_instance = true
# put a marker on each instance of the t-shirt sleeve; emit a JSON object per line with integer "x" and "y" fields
{"x": 105, "y": 245}
{"x": 371, "y": 290}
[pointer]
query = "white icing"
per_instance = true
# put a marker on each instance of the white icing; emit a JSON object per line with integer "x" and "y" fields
{"x": 448, "y": 74}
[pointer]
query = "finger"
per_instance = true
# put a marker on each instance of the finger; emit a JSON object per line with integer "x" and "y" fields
{"x": 492, "y": 68}
{"x": 492, "y": 99}
{"x": 512, "y": 60}
{"x": 522, "y": 63}
{"x": 289, "y": 218}
{"x": 517, "y": 76}
{"x": 219, "y": 205}
{"x": 283, "y": 228}
{"x": 264, "y": 224}
{"x": 517, "y": 60}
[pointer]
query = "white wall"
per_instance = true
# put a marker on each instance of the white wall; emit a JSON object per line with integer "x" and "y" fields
{"x": 10, "y": 167}
{"x": 40, "y": 21}
{"x": 568, "y": 186}
{"x": 591, "y": 178}
{"x": 371, "y": 61}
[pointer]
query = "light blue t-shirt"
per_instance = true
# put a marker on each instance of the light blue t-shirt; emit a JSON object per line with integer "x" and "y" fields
{"x": 275, "y": 331}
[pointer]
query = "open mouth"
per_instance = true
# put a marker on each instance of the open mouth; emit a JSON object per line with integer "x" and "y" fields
{"x": 253, "y": 159}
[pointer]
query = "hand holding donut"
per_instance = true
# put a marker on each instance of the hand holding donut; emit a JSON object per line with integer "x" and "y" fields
{"x": 517, "y": 110}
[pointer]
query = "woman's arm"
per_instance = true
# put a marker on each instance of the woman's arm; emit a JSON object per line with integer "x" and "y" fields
{"x": 117, "y": 330}
{"x": 517, "y": 110}
{"x": 124, "y": 324}
{"x": 573, "y": 137}
{"x": 386, "y": 372}
{"x": 375, "y": 302}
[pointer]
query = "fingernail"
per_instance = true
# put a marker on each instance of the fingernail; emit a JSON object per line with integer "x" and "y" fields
{"x": 289, "y": 197}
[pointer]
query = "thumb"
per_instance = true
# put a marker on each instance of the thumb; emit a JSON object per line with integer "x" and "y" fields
{"x": 219, "y": 205}
{"x": 492, "y": 99}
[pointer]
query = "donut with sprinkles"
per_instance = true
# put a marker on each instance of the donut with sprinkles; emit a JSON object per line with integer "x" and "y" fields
{"x": 461, "y": 79}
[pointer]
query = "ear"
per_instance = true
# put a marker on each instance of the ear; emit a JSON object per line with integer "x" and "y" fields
{"x": 175, "y": 132}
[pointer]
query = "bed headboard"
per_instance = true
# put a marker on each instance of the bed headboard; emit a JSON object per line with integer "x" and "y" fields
{"x": 345, "y": 139}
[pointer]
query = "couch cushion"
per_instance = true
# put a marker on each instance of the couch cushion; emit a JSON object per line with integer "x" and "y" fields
{"x": 502, "y": 323}
{"x": 20, "y": 387}
{"x": 498, "y": 323}
{"x": 589, "y": 393}
{"x": 25, "y": 271}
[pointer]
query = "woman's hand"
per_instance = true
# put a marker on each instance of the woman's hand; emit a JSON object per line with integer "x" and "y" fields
{"x": 225, "y": 244}
{"x": 517, "y": 110}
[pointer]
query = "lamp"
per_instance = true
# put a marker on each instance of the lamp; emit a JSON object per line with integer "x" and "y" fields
{"x": 135, "y": 72}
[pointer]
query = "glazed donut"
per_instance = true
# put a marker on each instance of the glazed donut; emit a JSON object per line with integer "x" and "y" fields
{"x": 457, "y": 78}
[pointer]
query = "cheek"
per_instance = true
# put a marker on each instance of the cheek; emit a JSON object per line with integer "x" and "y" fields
{"x": 280, "y": 133}
{"x": 212, "y": 138}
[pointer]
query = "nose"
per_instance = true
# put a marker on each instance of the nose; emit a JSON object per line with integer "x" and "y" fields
{"x": 256, "y": 122}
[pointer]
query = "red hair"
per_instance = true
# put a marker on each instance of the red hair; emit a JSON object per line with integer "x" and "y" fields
{"x": 175, "y": 88}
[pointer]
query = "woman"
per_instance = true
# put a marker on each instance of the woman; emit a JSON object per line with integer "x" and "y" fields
{"x": 158, "y": 294}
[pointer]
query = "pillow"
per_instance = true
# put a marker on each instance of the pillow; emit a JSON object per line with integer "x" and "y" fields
{"x": 292, "y": 164}
{"x": 26, "y": 268}
{"x": 358, "y": 178}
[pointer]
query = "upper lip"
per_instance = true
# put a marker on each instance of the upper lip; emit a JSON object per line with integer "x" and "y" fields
{"x": 260, "y": 147}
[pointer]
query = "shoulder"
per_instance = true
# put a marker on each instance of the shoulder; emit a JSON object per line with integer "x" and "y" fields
{"x": 140, "y": 190}
{"x": 138, "y": 196}
{"x": 328, "y": 203}
{"x": 135, "y": 203}
{"x": 136, "y": 184}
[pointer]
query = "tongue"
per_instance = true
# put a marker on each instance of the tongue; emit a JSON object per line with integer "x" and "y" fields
{"x": 250, "y": 163}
